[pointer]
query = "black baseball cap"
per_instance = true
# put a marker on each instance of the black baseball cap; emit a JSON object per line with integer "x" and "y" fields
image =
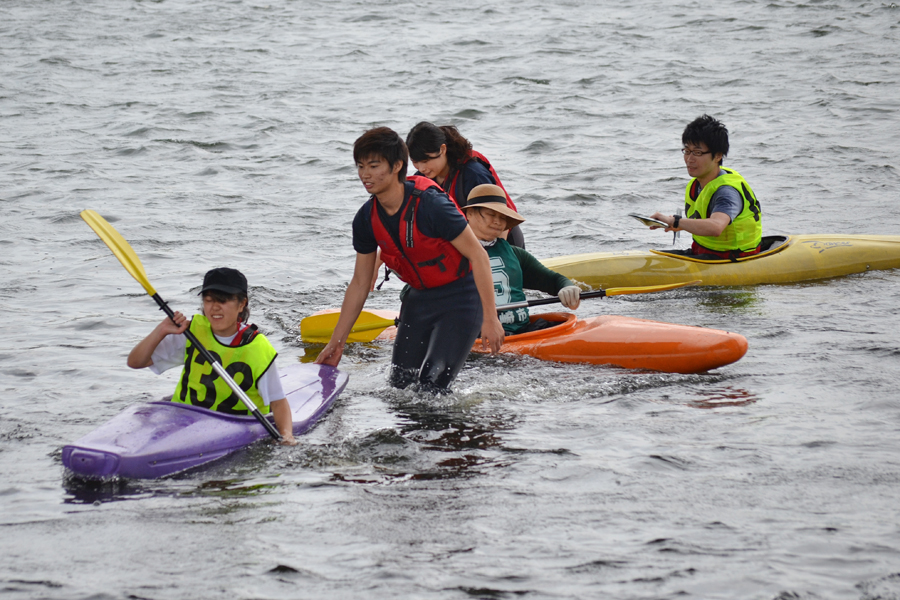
{"x": 223, "y": 279}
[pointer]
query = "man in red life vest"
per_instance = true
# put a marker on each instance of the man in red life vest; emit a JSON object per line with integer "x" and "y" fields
{"x": 425, "y": 238}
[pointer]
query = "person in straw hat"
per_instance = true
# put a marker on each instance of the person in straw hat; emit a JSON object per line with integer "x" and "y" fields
{"x": 513, "y": 268}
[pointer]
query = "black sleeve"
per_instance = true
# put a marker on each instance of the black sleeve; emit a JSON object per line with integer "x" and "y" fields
{"x": 535, "y": 276}
{"x": 363, "y": 234}
{"x": 472, "y": 174}
{"x": 438, "y": 216}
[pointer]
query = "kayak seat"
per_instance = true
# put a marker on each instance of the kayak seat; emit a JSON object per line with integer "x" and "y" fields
{"x": 768, "y": 245}
{"x": 537, "y": 324}
{"x": 770, "y": 242}
{"x": 557, "y": 322}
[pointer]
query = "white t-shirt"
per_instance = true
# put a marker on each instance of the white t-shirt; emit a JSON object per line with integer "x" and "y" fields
{"x": 170, "y": 353}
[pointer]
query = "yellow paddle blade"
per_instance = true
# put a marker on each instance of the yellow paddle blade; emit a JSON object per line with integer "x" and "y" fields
{"x": 318, "y": 328}
{"x": 119, "y": 247}
{"x": 649, "y": 288}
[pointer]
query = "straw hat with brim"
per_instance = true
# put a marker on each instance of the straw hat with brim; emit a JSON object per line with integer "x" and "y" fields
{"x": 488, "y": 195}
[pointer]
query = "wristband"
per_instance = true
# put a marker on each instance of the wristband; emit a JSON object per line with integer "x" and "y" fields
{"x": 675, "y": 222}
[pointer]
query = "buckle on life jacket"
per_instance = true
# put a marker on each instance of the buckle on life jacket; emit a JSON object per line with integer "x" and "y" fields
{"x": 245, "y": 337}
{"x": 439, "y": 261}
{"x": 752, "y": 201}
{"x": 387, "y": 275}
{"x": 463, "y": 267}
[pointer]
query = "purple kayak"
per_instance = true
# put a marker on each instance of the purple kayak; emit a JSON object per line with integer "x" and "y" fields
{"x": 154, "y": 439}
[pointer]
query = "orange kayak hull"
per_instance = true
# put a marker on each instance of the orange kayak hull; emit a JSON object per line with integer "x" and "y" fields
{"x": 628, "y": 342}
{"x": 621, "y": 341}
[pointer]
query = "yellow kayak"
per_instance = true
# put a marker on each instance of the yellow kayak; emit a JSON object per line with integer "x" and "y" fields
{"x": 784, "y": 259}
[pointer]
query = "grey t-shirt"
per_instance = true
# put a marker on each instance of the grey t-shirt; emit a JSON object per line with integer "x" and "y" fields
{"x": 726, "y": 200}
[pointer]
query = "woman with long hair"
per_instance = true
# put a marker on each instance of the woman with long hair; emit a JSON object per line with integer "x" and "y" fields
{"x": 443, "y": 155}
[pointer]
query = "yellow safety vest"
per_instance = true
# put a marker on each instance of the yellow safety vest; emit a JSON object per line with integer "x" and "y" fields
{"x": 200, "y": 385}
{"x": 744, "y": 233}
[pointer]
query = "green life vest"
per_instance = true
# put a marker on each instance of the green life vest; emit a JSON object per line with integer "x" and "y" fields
{"x": 246, "y": 363}
{"x": 744, "y": 233}
{"x": 507, "y": 274}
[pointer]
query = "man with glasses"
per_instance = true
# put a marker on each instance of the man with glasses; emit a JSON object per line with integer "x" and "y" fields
{"x": 721, "y": 211}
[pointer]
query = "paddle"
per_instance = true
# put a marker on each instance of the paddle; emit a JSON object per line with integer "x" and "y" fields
{"x": 318, "y": 328}
{"x": 601, "y": 294}
{"x": 132, "y": 264}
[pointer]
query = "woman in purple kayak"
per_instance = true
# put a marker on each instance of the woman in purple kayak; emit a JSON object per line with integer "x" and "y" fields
{"x": 222, "y": 328}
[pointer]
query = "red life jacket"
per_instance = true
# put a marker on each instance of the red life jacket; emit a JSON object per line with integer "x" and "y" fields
{"x": 421, "y": 261}
{"x": 450, "y": 185}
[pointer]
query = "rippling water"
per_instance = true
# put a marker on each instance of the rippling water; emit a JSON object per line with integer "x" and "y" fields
{"x": 220, "y": 132}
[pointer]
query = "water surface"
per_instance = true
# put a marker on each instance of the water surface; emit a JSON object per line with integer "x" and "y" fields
{"x": 220, "y": 132}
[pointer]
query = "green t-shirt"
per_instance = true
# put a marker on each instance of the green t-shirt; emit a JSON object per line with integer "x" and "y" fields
{"x": 514, "y": 270}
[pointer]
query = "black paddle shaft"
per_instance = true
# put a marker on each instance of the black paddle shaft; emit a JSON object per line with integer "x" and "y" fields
{"x": 550, "y": 300}
{"x": 163, "y": 306}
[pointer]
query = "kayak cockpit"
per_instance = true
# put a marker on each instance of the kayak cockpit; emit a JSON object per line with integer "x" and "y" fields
{"x": 771, "y": 244}
{"x": 562, "y": 322}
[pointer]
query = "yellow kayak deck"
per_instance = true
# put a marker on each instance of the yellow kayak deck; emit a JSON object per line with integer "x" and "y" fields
{"x": 785, "y": 259}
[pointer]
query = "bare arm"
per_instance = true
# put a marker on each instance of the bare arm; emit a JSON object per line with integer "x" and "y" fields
{"x": 711, "y": 227}
{"x": 491, "y": 330}
{"x": 354, "y": 299}
{"x": 140, "y": 356}
{"x": 284, "y": 420}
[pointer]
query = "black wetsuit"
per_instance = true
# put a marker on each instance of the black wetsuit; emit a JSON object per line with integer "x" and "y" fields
{"x": 435, "y": 335}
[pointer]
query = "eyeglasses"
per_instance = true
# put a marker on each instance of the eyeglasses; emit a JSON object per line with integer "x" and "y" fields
{"x": 687, "y": 152}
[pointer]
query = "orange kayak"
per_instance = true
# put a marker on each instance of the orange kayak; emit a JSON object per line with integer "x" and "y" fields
{"x": 622, "y": 341}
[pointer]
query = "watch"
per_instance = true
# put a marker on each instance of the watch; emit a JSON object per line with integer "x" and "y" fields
{"x": 676, "y": 218}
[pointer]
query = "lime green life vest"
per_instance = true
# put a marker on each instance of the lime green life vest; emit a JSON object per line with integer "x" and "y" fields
{"x": 246, "y": 363}
{"x": 744, "y": 233}
{"x": 507, "y": 273}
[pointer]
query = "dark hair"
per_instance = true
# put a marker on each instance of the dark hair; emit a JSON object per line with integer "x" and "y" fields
{"x": 222, "y": 297}
{"x": 384, "y": 143}
{"x": 426, "y": 138}
{"x": 709, "y": 131}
